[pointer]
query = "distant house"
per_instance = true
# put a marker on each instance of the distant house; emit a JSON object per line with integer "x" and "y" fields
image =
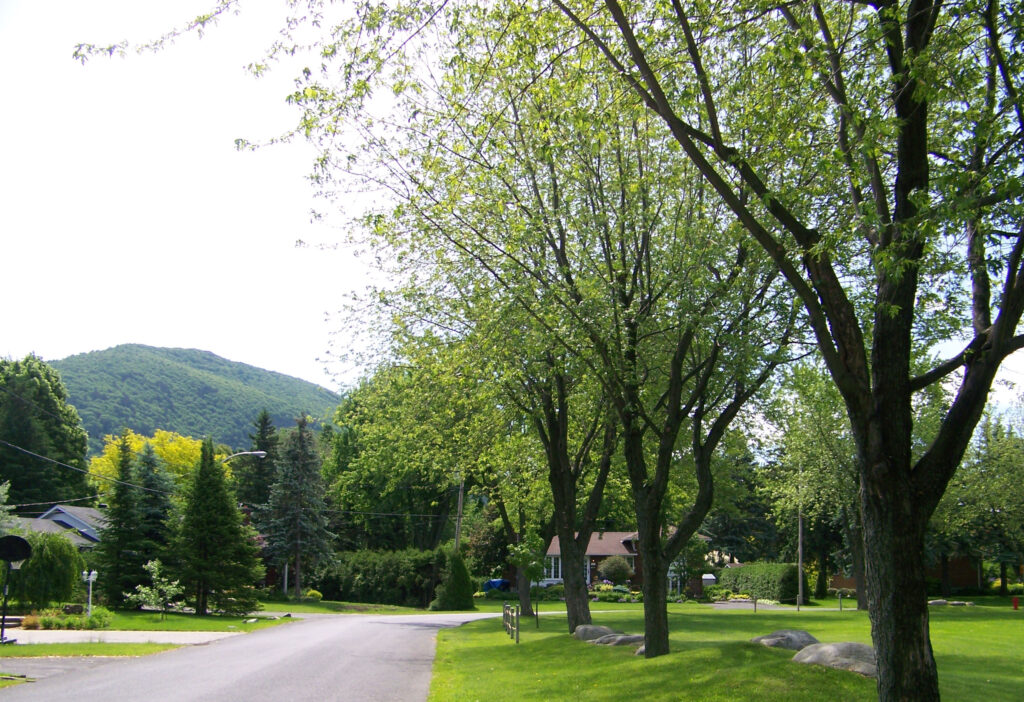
{"x": 82, "y": 525}
{"x": 605, "y": 544}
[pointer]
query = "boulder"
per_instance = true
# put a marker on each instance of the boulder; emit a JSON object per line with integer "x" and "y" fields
{"x": 640, "y": 651}
{"x": 793, "y": 639}
{"x": 855, "y": 657}
{"x": 938, "y": 603}
{"x": 587, "y": 632}
{"x": 619, "y": 640}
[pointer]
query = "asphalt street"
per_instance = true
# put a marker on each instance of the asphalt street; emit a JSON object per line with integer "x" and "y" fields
{"x": 341, "y": 657}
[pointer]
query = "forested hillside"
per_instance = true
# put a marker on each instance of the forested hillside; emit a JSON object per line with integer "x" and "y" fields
{"x": 187, "y": 391}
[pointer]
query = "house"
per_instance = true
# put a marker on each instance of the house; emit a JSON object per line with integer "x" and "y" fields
{"x": 82, "y": 525}
{"x": 603, "y": 544}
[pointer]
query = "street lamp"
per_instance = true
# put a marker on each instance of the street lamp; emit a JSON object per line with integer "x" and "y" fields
{"x": 258, "y": 454}
{"x": 15, "y": 550}
{"x": 89, "y": 576}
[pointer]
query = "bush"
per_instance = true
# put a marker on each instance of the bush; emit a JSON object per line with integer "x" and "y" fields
{"x": 404, "y": 578}
{"x": 717, "y": 593}
{"x": 56, "y": 619}
{"x": 765, "y": 581}
{"x": 616, "y": 569}
{"x": 456, "y": 592}
{"x": 313, "y": 595}
{"x": 552, "y": 593}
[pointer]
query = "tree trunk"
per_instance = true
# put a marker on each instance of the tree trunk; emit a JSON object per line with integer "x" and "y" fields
{"x": 523, "y": 588}
{"x": 855, "y": 537}
{"x": 655, "y": 591}
{"x": 945, "y": 586}
{"x": 821, "y": 586}
{"x": 897, "y": 598}
{"x": 577, "y": 599}
{"x": 1003, "y": 590}
{"x": 298, "y": 574}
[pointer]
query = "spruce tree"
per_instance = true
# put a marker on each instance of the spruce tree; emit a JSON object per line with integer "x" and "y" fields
{"x": 219, "y": 563}
{"x": 120, "y": 559}
{"x": 154, "y": 500}
{"x": 294, "y": 519}
{"x": 254, "y": 475}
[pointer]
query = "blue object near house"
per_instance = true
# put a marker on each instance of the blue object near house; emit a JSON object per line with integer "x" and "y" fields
{"x": 497, "y": 584}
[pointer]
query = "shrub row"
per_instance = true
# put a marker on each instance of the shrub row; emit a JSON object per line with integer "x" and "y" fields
{"x": 765, "y": 581}
{"x": 405, "y": 578}
{"x": 56, "y": 619}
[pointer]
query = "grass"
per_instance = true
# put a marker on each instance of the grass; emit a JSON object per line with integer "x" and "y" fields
{"x": 712, "y": 659}
{"x": 129, "y": 620}
{"x": 83, "y": 649}
{"x": 331, "y": 607}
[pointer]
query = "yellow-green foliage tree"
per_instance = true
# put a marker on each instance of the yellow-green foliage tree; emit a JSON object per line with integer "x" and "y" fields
{"x": 179, "y": 455}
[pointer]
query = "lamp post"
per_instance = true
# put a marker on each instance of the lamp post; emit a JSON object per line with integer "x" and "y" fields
{"x": 258, "y": 454}
{"x": 89, "y": 576}
{"x": 15, "y": 550}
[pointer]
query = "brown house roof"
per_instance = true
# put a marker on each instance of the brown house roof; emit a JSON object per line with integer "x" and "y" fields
{"x": 603, "y": 543}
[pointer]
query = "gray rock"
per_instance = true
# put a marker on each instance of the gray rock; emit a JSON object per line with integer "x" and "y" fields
{"x": 619, "y": 640}
{"x": 855, "y": 657}
{"x": 587, "y": 632}
{"x": 937, "y": 603}
{"x": 793, "y": 639}
{"x": 640, "y": 651}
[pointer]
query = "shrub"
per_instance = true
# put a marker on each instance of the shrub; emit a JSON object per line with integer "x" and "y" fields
{"x": 405, "y": 577}
{"x": 313, "y": 595}
{"x": 715, "y": 593}
{"x": 456, "y": 592}
{"x": 615, "y": 569}
{"x": 30, "y": 621}
{"x": 552, "y": 593}
{"x": 765, "y": 581}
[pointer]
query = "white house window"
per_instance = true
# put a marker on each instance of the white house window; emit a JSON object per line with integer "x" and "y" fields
{"x": 553, "y": 568}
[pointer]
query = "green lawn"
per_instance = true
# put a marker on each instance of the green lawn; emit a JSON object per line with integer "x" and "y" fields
{"x": 329, "y": 607}
{"x": 127, "y": 620}
{"x": 977, "y": 651}
{"x": 82, "y": 649}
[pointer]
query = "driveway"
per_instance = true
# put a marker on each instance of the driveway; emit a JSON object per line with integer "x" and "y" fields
{"x": 343, "y": 657}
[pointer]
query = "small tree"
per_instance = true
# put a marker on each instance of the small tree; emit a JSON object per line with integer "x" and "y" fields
{"x": 49, "y": 575}
{"x": 160, "y": 595}
{"x": 120, "y": 543}
{"x": 218, "y": 554}
{"x": 616, "y": 569}
{"x": 456, "y": 592}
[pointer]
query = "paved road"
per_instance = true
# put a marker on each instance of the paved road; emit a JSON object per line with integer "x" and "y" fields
{"x": 345, "y": 657}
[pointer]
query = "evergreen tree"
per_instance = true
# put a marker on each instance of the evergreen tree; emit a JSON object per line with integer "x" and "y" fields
{"x": 294, "y": 519}
{"x": 254, "y": 475}
{"x": 36, "y": 418}
{"x": 120, "y": 560}
{"x": 154, "y": 505}
{"x": 219, "y": 563}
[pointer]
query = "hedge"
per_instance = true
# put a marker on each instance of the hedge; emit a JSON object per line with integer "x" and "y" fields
{"x": 406, "y": 578}
{"x": 764, "y": 581}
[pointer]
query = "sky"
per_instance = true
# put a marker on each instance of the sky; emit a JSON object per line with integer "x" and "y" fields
{"x": 128, "y": 216}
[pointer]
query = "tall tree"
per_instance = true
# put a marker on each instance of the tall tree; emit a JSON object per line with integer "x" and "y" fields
{"x": 217, "y": 553}
{"x": 872, "y": 150}
{"x": 39, "y": 430}
{"x": 294, "y": 518}
{"x": 154, "y": 506}
{"x": 255, "y": 475}
{"x": 120, "y": 548}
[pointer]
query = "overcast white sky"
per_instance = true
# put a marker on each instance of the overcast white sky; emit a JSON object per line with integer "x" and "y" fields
{"x": 127, "y": 215}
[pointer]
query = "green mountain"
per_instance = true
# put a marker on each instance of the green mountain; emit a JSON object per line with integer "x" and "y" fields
{"x": 191, "y": 392}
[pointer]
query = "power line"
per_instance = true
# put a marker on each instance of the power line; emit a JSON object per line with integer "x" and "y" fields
{"x": 55, "y": 502}
{"x": 81, "y": 470}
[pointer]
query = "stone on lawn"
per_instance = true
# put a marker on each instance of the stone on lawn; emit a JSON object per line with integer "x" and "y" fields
{"x": 793, "y": 639}
{"x": 619, "y": 640}
{"x": 855, "y": 657}
{"x": 587, "y": 632}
